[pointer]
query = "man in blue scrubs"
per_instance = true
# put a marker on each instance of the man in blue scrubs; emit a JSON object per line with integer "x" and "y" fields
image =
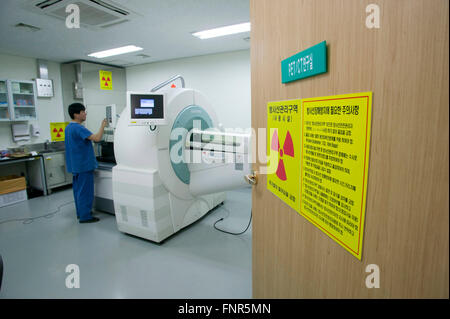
{"x": 81, "y": 161}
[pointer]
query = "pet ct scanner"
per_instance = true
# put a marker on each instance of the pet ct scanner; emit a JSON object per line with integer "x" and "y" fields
{"x": 173, "y": 163}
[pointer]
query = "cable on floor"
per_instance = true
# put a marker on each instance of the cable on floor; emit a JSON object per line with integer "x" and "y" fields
{"x": 27, "y": 221}
{"x": 231, "y": 233}
{"x": 221, "y": 219}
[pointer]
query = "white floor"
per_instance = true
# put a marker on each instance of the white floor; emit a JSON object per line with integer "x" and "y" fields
{"x": 198, "y": 262}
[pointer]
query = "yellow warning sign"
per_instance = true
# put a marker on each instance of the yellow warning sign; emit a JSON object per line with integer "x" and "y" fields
{"x": 334, "y": 166}
{"x": 284, "y": 150}
{"x": 105, "y": 80}
{"x": 57, "y": 131}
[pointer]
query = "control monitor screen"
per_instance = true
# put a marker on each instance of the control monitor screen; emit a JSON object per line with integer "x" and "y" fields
{"x": 146, "y": 109}
{"x": 148, "y": 103}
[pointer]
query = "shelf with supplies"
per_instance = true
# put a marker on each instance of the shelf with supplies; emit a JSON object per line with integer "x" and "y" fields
{"x": 17, "y": 100}
{"x": 5, "y": 113}
{"x": 22, "y": 87}
{"x": 22, "y": 97}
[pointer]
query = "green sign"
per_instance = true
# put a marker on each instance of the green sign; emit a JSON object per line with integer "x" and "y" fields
{"x": 304, "y": 64}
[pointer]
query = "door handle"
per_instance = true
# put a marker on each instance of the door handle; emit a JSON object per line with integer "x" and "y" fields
{"x": 252, "y": 178}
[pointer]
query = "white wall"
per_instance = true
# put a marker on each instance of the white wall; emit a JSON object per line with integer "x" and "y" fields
{"x": 96, "y": 99}
{"x": 48, "y": 109}
{"x": 224, "y": 79}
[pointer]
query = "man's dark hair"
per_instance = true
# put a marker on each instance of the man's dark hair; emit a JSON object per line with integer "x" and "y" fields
{"x": 75, "y": 108}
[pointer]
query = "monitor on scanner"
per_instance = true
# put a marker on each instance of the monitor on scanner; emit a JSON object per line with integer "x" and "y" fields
{"x": 146, "y": 109}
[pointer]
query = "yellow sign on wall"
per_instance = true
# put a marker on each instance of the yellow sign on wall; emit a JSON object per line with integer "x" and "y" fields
{"x": 334, "y": 166}
{"x": 105, "y": 80}
{"x": 284, "y": 150}
{"x": 57, "y": 131}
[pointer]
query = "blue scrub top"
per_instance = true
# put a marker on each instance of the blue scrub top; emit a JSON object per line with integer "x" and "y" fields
{"x": 80, "y": 155}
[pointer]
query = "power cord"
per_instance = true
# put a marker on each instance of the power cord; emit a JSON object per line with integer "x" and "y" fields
{"x": 221, "y": 219}
{"x": 224, "y": 231}
{"x": 26, "y": 221}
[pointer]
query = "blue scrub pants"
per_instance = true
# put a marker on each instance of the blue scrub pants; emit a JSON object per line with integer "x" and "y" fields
{"x": 83, "y": 193}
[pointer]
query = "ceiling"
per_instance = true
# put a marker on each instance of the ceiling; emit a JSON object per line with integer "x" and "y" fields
{"x": 161, "y": 27}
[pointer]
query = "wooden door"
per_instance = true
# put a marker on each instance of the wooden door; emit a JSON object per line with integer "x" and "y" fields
{"x": 405, "y": 64}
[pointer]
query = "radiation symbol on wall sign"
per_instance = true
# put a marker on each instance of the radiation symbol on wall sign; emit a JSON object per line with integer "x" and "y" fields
{"x": 58, "y": 133}
{"x": 105, "y": 80}
{"x": 288, "y": 150}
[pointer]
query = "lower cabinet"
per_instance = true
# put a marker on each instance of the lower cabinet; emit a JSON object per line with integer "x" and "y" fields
{"x": 55, "y": 170}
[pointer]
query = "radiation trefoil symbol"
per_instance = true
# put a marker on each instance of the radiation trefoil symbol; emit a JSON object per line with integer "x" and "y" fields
{"x": 106, "y": 80}
{"x": 58, "y": 132}
{"x": 288, "y": 149}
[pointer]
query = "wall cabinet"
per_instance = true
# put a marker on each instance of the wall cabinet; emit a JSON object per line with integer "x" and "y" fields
{"x": 5, "y": 112}
{"x": 22, "y": 100}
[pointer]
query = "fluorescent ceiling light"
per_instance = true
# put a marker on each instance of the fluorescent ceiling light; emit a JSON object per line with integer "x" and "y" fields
{"x": 116, "y": 51}
{"x": 219, "y": 32}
